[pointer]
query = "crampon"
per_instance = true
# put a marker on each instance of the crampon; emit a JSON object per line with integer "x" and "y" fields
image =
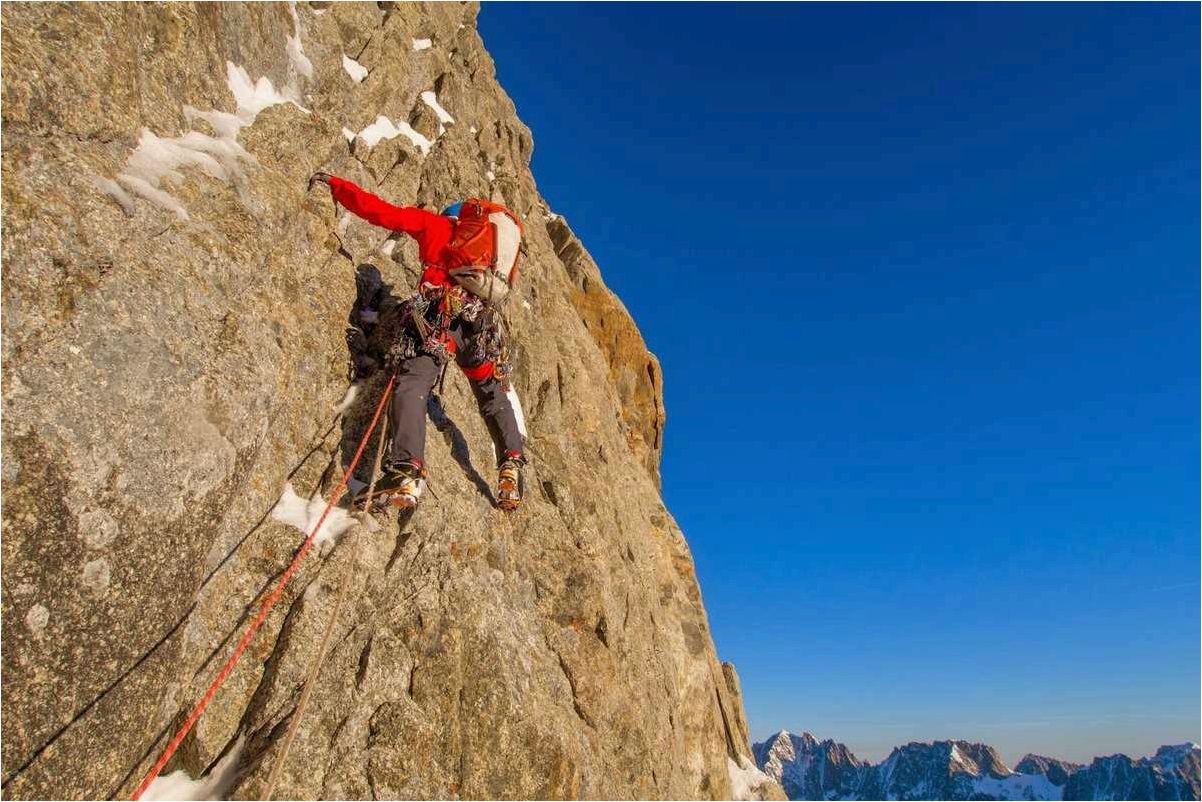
{"x": 400, "y": 486}
{"x": 509, "y": 483}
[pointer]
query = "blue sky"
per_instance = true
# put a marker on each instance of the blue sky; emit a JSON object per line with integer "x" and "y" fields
{"x": 924, "y": 281}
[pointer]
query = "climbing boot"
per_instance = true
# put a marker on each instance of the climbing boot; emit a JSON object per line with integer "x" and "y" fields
{"x": 401, "y": 484}
{"x": 509, "y": 481}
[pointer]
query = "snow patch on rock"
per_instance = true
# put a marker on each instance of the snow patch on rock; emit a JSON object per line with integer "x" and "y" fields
{"x": 254, "y": 96}
{"x": 1017, "y": 786}
{"x": 746, "y": 781}
{"x": 114, "y": 190}
{"x": 221, "y": 157}
{"x": 384, "y": 128}
{"x": 296, "y": 51}
{"x": 214, "y": 785}
{"x": 354, "y": 69}
{"x": 348, "y": 399}
{"x": 303, "y": 514}
{"x": 444, "y": 119}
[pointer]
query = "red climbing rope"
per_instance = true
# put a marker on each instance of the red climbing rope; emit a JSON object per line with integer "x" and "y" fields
{"x": 265, "y": 608}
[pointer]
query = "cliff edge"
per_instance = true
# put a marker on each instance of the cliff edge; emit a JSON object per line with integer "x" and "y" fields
{"x": 173, "y": 309}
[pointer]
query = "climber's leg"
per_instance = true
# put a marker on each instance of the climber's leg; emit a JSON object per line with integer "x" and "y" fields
{"x": 496, "y": 408}
{"x": 491, "y": 396}
{"x": 415, "y": 379}
{"x": 473, "y": 339}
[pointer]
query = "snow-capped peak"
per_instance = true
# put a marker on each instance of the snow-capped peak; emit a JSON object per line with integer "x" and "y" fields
{"x": 1169, "y": 757}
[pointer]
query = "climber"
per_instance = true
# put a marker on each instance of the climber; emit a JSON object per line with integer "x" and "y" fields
{"x": 469, "y": 257}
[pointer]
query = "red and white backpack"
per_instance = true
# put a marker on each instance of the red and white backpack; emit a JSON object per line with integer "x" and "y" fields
{"x": 484, "y": 250}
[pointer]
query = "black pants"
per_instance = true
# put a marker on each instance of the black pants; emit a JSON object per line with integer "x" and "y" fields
{"x": 415, "y": 380}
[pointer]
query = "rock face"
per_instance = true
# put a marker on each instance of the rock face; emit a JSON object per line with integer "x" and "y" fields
{"x": 1172, "y": 773}
{"x": 174, "y": 302}
{"x": 1058, "y": 771}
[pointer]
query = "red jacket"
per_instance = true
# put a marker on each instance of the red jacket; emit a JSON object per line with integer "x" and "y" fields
{"x": 432, "y": 231}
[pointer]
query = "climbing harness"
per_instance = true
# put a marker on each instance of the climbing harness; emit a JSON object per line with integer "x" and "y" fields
{"x": 426, "y": 318}
{"x": 425, "y": 323}
{"x": 268, "y": 603}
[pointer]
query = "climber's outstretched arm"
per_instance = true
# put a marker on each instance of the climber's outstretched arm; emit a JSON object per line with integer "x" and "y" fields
{"x": 377, "y": 211}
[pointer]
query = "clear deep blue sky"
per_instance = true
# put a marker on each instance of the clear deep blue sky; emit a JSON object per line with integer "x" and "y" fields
{"x": 924, "y": 281}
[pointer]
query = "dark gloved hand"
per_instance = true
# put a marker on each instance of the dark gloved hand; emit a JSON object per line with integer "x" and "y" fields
{"x": 319, "y": 178}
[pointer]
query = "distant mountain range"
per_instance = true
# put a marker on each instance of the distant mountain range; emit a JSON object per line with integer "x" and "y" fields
{"x": 957, "y": 770}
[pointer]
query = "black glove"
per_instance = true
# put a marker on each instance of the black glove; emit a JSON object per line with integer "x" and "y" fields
{"x": 319, "y": 178}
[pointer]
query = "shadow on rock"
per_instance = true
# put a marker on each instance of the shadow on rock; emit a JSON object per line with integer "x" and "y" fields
{"x": 458, "y": 445}
{"x": 373, "y": 299}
